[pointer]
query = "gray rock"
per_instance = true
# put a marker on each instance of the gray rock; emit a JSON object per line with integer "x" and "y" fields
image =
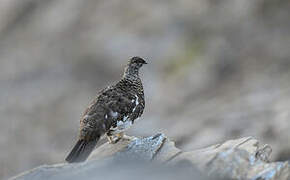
{"x": 157, "y": 157}
{"x": 237, "y": 159}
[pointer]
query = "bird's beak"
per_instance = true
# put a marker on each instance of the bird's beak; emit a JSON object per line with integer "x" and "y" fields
{"x": 145, "y": 62}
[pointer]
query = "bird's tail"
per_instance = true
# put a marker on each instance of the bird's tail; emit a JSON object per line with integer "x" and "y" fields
{"x": 81, "y": 151}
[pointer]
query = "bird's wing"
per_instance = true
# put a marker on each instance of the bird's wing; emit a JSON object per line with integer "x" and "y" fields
{"x": 106, "y": 110}
{"x": 120, "y": 104}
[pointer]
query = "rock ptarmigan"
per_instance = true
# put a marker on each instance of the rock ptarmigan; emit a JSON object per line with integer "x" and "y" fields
{"x": 112, "y": 112}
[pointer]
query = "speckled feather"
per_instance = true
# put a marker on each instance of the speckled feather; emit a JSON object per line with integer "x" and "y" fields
{"x": 112, "y": 111}
{"x": 123, "y": 101}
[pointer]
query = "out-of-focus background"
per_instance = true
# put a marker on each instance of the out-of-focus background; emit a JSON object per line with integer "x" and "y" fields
{"x": 217, "y": 70}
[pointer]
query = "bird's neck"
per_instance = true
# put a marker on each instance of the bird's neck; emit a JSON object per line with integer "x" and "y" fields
{"x": 131, "y": 74}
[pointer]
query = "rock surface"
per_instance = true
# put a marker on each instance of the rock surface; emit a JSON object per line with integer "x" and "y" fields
{"x": 147, "y": 157}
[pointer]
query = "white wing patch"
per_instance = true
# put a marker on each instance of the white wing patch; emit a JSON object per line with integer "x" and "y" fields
{"x": 114, "y": 114}
{"x": 136, "y": 103}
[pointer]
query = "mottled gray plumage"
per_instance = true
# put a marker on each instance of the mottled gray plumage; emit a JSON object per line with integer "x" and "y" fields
{"x": 112, "y": 111}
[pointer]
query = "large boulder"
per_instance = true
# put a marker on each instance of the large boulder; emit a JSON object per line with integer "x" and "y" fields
{"x": 156, "y": 157}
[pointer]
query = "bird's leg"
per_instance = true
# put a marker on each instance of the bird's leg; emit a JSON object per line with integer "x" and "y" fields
{"x": 110, "y": 138}
{"x": 120, "y": 135}
{"x": 123, "y": 136}
{"x": 113, "y": 139}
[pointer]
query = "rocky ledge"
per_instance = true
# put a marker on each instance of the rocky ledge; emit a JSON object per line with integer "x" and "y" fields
{"x": 156, "y": 157}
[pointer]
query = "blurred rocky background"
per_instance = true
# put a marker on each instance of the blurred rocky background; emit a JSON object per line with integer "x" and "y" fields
{"x": 217, "y": 70}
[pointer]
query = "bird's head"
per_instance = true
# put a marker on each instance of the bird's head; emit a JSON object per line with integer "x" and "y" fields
{"x": 135, "y": 63}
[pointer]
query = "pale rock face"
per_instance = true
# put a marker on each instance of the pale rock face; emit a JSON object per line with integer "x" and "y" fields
{"x": 234, "y": 159}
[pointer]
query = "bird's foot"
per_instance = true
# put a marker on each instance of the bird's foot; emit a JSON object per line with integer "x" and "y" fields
{"x": 128, "y": 138}
{"x": 113, "y": 139}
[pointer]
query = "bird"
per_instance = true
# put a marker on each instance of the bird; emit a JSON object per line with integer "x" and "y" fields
{"x": 112, "y": 111}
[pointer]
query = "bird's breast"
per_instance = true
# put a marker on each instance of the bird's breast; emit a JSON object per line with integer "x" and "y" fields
{"x": 122, "y": 125}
